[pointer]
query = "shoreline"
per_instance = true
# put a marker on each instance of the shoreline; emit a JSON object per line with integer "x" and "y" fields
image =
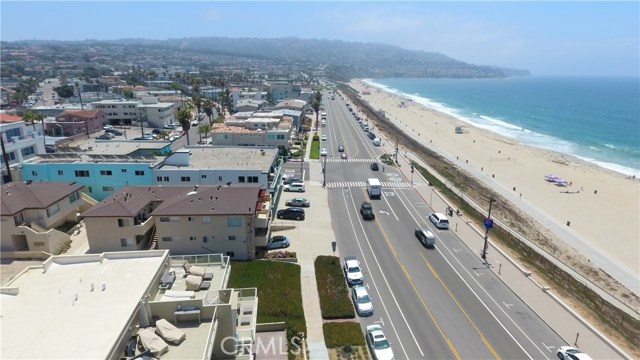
{"x": 624, "y": 170}
{"x": 596, "y": 212}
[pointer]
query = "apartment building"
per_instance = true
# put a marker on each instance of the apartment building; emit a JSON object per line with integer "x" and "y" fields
{"x": 156, "y": 114}
{"x": 30, "y": 211}
{"x": 281, "y": 90}
{"x": 118, "y": 111}
{"x": 98, "y": 306}
{"x": 21, "y": 142}
{"x": 254, "y": 131}
{"x": 75, "y": 122}
{"x": 232, "y": 220}
{"x": 238, "y": 96}
{"x": 100, "y": 175}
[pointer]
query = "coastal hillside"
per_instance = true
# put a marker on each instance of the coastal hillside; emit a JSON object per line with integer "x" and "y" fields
{"x": 339, "y": 60}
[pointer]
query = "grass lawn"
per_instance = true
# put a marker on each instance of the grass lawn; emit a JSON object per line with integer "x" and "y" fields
{"x": 315, "y": 147}
{"x": 279, "y": 293}
{"x": 332, "y": 289}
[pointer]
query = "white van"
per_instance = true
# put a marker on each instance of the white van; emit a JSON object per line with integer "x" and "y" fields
{"x": 439, "y": 220}
{"x": 376, "y": 142}
{"x": 297, "y": 187}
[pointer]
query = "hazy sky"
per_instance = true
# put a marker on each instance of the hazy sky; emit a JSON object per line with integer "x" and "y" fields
{"x": 545, "y": 37}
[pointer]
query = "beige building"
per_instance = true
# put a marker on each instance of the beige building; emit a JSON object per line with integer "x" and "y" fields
{"x": 232, "y": 220}
{"x": 254, "y": 131}
{"x": 114, "y": 305}
{"x": 30, "y": 211}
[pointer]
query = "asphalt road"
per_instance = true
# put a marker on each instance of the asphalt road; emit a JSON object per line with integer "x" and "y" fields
{"x": 437, "y": 303}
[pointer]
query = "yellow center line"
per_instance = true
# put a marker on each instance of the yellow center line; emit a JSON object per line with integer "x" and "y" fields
{"x": 486, "y": 342}
{"x": 424, "y": 304}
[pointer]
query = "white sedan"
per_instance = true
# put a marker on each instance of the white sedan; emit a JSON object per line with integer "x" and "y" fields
{"x": 324, "y": 152}
{"x": 571, "y": 353}
{"x": 324, "y": 137}
{"x": 378, "y": 343}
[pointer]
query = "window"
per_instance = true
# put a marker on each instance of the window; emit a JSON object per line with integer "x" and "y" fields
{"x": 205, "y": 239}
{"x": 124, "y": 170}
{"x": 219, "y": 178}
{"x": 166, "y": 238}
{"x": 107, "y": 188}
{"x": 252, "y": 179}
{"x": 89, "y": 189}
{"x": 28, "y": 151}
{"x": 126, "y": 242}
{"x": 159, "y": 178}
{"x": 74, "y": 197}
{"x": 139, "y": 172}
{"x": 60, "y": 172}
{"x": 230, "y": 254}
{"x": 280, "y": 137}
{"x": 169, "y": 219}
{"x": 164, "y": 219}
{"x": 232, "y": 237}
{"x": 206, "y": 219}
{"x": 203, "y": 176}
{"x": 82, "y": 173}
{"x": 185, "y": 178}
{"x": 34, "y": 173}
{"x": 234, "y": 221}
{"x": 123, "y": 222}
{"x": 12, "y": 156}
{"x": 166, "y": 178}
{"x": 240, "y": 179}
{"x": 105, "y": 172}
{"x": 53, "y": 209}
{"x": 190, "y": 218}
{"x": 192, "y": 238}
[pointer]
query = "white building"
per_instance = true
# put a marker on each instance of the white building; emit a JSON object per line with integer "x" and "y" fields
{"x": 118, "y": 111}
{"x": 237, "y": 96}
{"x": 157, "y": 114}
{"x": 21, "y": 142}
{"x": 95, "y": 306}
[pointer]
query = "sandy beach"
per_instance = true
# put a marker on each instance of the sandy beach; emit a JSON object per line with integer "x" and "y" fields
{"x": 599, "y": 206}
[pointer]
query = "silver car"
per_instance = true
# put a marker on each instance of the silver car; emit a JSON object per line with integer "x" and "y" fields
{"x": 299, "y": 202}
{"x": 378, "y": 343}
{"x": 362, "y": 300}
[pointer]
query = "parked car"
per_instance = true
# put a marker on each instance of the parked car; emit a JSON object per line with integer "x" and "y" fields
{"x": 195, "y": 123}
{"x": 294, "y": 187}
{"x": 426, "y": 237}
{"x": 378, "y": 343}
{"x": 366, "y": 210}
{"x": 340, "y": 148}
{"x": 114, "y": 132}
{"x": 371, "y": 135}
{"x": 170, "y": 126}
{"x": 362, "y": 300}
{"x": 571, "y": 353}
{"x": 156, "y": 131}
{"x": 439, "y": 220}
{"x": 291, "y": 180}
{"x": 293, "y": 213}
{"x": 299, "y": 202}
{"x": 324, "y": 152}
{"x": 324, "y": 137}
{"x": 374, "y": 167}
{"x": 105, "y": 136}
{"x": 352, "y": 270}
{"x": 107, "y": 127}
{"x": 343, "y": 156}
{"x": 278, "y": 242}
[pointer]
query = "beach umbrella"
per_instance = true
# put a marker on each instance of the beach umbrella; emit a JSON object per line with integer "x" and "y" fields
{"x": 550, "y": 177}
{"x": 560, "y": 182}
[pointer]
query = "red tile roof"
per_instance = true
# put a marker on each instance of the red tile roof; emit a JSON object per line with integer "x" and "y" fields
{"x": 6, "y": 118}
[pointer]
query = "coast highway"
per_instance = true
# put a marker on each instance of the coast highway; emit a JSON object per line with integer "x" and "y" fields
{"x": 440, "y": 303}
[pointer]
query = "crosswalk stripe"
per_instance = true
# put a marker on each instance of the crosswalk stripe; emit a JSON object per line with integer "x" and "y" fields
{"x": 362, "y": 184}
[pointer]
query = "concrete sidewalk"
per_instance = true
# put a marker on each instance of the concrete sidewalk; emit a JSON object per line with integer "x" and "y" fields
{"x": 540, "y": 298}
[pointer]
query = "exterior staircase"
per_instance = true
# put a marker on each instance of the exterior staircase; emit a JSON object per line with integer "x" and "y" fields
{"x": 153, "y": 244}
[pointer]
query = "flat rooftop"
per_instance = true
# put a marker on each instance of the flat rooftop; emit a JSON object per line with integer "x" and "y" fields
{"x": 225, "y": 158}
{"x": 51, "y": 312}
{"x": 114, "y": 147}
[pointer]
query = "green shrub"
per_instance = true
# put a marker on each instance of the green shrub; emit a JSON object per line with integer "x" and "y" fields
{"x": 339, "y": 335}
{"x": 279, "y": 292}
{"x": 315, "y": 148}
{"x": 332, "y": 289}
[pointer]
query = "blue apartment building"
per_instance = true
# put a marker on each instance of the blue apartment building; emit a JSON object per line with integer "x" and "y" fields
{"x": 100, "y": 175}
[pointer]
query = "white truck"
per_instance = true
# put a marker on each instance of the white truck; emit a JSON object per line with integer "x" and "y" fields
{"x": 374, "y": 188}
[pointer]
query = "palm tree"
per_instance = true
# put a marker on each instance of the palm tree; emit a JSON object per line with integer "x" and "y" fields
{"x": 197, "y": 102}
{"x": 208, "y": 108}
{"x": 315, "y": 105}
{"x": 31, "y": 116}
{"x": 204, "y": 128}
{"x": 184, "y": 118}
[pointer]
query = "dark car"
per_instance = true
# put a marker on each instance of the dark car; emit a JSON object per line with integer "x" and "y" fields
{"x": 371, "y": 135}
{"x": 289, "y": 181}
{"x": 367, "y": 211}
{"x": 340, "y": 148}
{"x": 374, "y": 167}
{"x": 291, "y": 214}
{"x": 114, "y": 132}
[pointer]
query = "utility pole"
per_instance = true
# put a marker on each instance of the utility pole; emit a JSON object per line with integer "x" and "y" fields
{"x": 5, "y": 158}
{"x": 488, "y": 224}
{"x": 412, "y": 171}
{"x": 324, "y": 173}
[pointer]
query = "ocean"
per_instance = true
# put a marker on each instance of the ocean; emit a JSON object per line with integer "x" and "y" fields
{"x": 596, "y": 119}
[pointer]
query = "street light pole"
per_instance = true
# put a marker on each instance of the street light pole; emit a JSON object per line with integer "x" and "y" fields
{"x": 324, "y": 173}
{"x": 488, "y": 224}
